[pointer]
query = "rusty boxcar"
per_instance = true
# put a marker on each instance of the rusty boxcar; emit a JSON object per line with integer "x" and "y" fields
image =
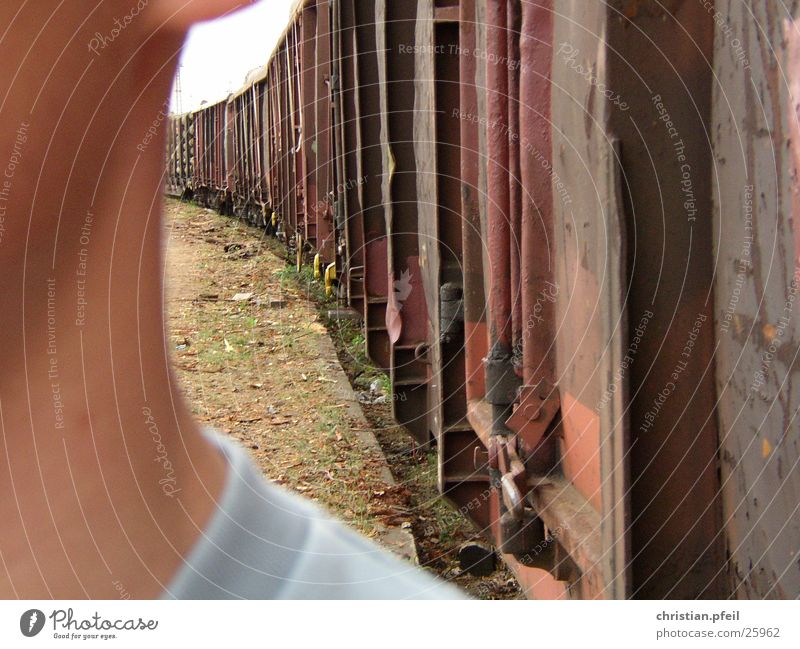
{"x": 570, "y": 230}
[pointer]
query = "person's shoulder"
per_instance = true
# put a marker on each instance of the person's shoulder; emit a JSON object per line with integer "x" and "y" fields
{"x": 338, "y": 563}
{"x": 267, "y": 543}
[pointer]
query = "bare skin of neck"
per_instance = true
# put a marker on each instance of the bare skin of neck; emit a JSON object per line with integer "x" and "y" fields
{"x": 105, "y": 479}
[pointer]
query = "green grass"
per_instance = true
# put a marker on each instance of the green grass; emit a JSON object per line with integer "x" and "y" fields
{"x": 450, "y": 524}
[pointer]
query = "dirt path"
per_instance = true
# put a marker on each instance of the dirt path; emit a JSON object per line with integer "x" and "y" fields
{"x": 257, "y": 364}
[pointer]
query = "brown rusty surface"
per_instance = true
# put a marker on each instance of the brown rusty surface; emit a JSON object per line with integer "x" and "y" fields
{"x": 297, "y": 198}
{"x": 532, "y": 139}
{"x": 322, "y": 209}
{"x": 450, "y": 241}
{"x": 475, "y": 334}
{"x": 406, "y": 311}
{"x": 353, "y": 223}
{"x": 272, "y": 139}
{"x": 580, "y": 448}
{"x": 498, "y": 235}
{"x": 573, "y": 522}
{"x": 308, "y": 98}
{"x": 439, "y": 162}
{"x": 424, "y": 136}
{"x": 283, "y": 125}
{"x": 586, "y": 253}
{"x": 515, "y": 179}
{"x": 756, "y": 226}
{"x": 371, "y": 167}
{"x": 667, "y": 177}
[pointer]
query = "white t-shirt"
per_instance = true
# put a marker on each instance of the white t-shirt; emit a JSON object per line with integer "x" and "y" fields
{"x": 265, "y": 543}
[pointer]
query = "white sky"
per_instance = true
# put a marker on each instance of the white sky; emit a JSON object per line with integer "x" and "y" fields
{"x": 218, "y": 55}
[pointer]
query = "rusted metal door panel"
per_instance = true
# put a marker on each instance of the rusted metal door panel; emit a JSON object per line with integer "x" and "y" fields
{"x": 372, "y": 167}
{"x": 589, "y": 320}
{"x": 353, "y": 271}
{"x": 605, "y": 78}
{"x": 308, "y": 91}
{"x": 248, "y": 191}
{"x": 406, "y": 312}
{"x": 338, "y": 160}
{"x": 463, "y": 471}
{"x": 473, "y": 192}
{"x": 274, "y": 137}
{"x": 323, "y": 208}
{"x": 288, "y": 171}
{"x": 254, "y": 115}
{"x": 511, "y": 109}
{"x": 284, "y": 145}
{"x": 437, "y": 139}
{"x": 236, "y": 143}
{"x": 239, "y": 170}
{"x": 208, "y": 145}
{"x": 296, "y": 197}
{"x": 278, "y": 146}
{"x": 658, "y": 63}
{"x": 190, "y": 160}
{"x": 280, "y": 195}
{"x": 269, "y": 138}
{"x": 757, "y": 221}
{"x": 198, "y": 151}
{"x": 424, "y": 135}
{"x": 173, "y": 139}
{"x": 524, "y": 325}
{"x": 261, "y": 184}
{"x": 223, "y": 151}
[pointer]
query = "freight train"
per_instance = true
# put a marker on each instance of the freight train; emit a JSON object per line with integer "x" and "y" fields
{"x": 572, "y": 232}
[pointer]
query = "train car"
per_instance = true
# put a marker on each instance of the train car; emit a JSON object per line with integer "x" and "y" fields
{"x": 212, "y": 182}
{"x": 180, "y": 155}
{"x": 249, "y": 191}
{"x": 569, "y": 229}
